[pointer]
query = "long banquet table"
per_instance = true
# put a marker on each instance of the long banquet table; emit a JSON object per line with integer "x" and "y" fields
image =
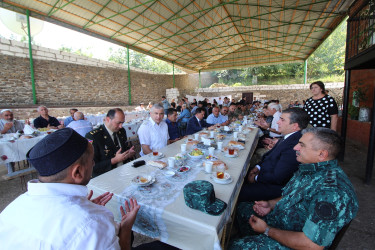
{"x": 163, "y": 214}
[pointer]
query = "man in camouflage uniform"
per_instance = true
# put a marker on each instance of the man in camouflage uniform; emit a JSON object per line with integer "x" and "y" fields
{"x": 316, "y": 203}
{"x": 110, "y": 146}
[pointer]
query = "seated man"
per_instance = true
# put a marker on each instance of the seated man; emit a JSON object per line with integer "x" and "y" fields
{"x": 56, "y": 212}
{"x": 270, "y": 175}
{"x": 273, "y": 110}
{"x": 8, "y": 124}
{"x": 46, "y": 121}
{"x": 153, "y": 133}
{"x": 141, "y": 107}
{"x": 224, "y": 112}
{"x": 173, "y": 130}
{"x": 70, "y": 118}
{"x": 196, "y": 123}
{"x": 217, "y": 118}
{"x": 315, "y": 204}
{"x": 80, "y": 125}
{"x": 110, "y": 146}
{"x": 232, "y": 115}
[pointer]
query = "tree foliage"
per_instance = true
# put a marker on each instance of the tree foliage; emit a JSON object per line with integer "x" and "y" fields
{"x": 327, "y": 60}
{"x": 141, "y": 61}
{"x": 82, "y": 52}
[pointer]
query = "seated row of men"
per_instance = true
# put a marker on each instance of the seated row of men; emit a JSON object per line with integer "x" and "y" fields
{"x": 275, "y": 211}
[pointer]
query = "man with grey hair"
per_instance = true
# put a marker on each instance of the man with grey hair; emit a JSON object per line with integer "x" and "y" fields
{"x": 273, "y": 110}
{"x": 80, "y": 125}
{"x": 8, "y": 124}
{"x": 46, "y": 121}
{"x": 315, "y": 204}
{"x": 153, "y": 133}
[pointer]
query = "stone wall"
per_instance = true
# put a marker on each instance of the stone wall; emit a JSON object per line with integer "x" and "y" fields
{"x": 64, "y": 79}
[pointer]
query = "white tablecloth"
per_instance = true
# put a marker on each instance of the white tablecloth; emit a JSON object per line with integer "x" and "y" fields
{"x": 13, "y": 151}
{"x": 163, "y": 212}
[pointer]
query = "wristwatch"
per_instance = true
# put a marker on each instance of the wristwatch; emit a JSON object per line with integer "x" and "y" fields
{"x": 266, "y": 231}
{"x": 268, "y": 129}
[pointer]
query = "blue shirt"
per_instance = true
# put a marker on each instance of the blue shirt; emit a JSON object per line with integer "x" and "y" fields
{"x": 184, "y": 116}
{"x": 68, "y": 120}
{"x": 172, "y": 129}
{"x": 82, "y": 127}
{"x": 215, "y": 120}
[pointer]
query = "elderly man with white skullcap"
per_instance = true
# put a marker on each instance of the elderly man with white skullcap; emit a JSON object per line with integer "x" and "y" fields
{"x": 8, "y": 124}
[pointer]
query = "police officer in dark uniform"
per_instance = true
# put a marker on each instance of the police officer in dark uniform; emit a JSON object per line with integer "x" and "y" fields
{"x": 110, "y": 146}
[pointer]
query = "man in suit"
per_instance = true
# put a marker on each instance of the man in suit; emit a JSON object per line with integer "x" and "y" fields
{"x": 196, "y": 123}
{"x": 110, "y": 146}
{"x": 277, "y": 166}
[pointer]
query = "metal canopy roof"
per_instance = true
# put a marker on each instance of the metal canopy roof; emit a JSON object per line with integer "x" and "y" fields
{"x": 202, "y": 34}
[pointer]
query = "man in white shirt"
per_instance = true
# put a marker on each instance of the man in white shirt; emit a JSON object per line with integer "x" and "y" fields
{"x": 274, "y": 110}
{"x": 80, "y": 125}
{"x": 56, "y": 212}
{"x": 8, "y": 124}
{"x": 153, "y": 133}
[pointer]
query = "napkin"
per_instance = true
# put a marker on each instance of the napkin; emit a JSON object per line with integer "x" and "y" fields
{"x": 226, "y": 128}
{"x": 28, "y": 130}
{"x": 206, "y": 141}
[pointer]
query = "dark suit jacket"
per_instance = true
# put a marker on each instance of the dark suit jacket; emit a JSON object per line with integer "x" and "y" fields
{"x": 105, "y": 149}
{"x": 193, "y": 125}
{"x": 279, "y": 164}
{"x": 277, "y": 167}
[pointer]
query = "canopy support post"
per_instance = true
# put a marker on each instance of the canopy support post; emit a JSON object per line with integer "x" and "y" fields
{"x": 305, "y": 73}
{"x": 129, "y": 83}
{"x": 174, "y": 84}
{"x": 200, "y": 83}
{"x": 31, "y": 57}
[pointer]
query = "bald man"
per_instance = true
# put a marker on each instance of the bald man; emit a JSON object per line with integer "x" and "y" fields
{"x": 80, "y": 125}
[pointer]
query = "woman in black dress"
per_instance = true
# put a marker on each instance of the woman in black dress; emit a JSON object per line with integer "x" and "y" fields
{"x": 321, "y": 108}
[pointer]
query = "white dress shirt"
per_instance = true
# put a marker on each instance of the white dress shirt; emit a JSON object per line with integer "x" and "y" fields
{"x": 82, "y": 127}
{"x": 154, "y": 135}
{"x": 276, "y": 118}
{"x": 57, "y": 216}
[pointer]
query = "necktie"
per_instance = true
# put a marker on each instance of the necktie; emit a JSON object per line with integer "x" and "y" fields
{"x": 115, "y": 140}
{"x": 199, "y": 122}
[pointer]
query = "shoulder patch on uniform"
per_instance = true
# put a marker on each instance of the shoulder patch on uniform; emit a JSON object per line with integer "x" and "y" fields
{"x": 326, "y": 210}
{"x": 330, "y": 180}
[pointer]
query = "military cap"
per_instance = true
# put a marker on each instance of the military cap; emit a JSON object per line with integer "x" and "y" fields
{"x": 200, "y": 195}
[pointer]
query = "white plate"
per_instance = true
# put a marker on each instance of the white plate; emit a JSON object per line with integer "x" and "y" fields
{"x": 139, "y": 178}
{"x": 159, "y": 156}
{"x": 169, "y": 173}
{"x": 227, "y": 179}
{"x": 231, "y": 156}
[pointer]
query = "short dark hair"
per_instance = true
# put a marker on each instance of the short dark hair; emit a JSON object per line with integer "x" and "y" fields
{"x": 112, "y": 112}
{"x": 170, "y": 111}
{"x": 328, "y": 138}
{"x": 199, "y": 110}
{"x": 163, "y": 96}
{"x": 320, "y": 84}
{"x": 75, "y": 110}
{"x": 299, "y": 116}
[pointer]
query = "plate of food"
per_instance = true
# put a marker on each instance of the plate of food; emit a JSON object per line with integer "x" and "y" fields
{"x": 196, "y": 154}
{"x": 158, "y": 164}
{"x": 142, "y": 180}
{"x": 220, "y": 137}
{"x": 236, "y": 144}
{"x": 225, "y": 180}
{"x": 183, "y": 169}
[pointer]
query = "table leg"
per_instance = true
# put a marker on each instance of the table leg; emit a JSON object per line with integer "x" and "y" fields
{"x": 10, "y": 167}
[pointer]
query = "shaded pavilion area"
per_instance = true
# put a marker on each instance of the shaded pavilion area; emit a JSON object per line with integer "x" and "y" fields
{"x": 212, "y": 35}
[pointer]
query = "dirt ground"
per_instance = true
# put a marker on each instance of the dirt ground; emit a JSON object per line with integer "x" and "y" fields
{"x": 360, "y": 235}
